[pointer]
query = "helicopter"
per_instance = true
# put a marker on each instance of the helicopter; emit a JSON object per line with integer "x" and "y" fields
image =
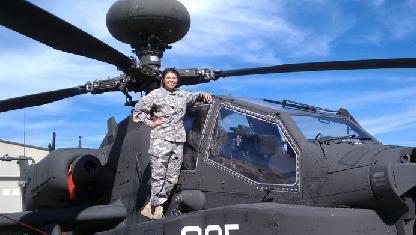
{"x": 251, "y": 165}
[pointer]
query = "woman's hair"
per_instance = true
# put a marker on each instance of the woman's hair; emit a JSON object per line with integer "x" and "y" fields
{"x": 169, "y": 70}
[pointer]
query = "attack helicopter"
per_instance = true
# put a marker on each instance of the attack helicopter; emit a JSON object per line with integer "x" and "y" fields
{"x": 250, "y": 165}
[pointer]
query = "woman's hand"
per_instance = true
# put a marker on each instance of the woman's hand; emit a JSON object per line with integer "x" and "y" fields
{"x": 206, "y": 97}
{"x": 158, "y": 121}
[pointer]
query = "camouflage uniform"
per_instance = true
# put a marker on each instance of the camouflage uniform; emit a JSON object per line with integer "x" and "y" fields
{"x": 166, "y": 139}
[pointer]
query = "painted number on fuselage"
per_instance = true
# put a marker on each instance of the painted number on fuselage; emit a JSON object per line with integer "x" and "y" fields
{"x": 209, "y": 230}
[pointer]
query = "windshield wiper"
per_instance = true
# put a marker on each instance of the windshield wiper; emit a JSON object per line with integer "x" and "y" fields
{"x": 328, "y": 139}
{"x": 367, "y": 139}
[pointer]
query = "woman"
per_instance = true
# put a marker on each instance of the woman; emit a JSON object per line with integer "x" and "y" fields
{"x": 167, "y": 105}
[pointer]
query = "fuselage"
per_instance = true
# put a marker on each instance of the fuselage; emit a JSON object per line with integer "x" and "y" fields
{"x": 237, "y": 152}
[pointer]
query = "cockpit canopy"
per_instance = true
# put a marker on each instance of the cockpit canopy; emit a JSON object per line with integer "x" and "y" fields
{"x": 317, "y": 123}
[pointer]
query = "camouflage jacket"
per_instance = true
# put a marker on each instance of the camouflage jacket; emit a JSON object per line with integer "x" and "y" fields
{"x": 169, "y": 105}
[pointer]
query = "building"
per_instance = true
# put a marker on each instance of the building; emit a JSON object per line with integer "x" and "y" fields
{"x": 10, "y": 192}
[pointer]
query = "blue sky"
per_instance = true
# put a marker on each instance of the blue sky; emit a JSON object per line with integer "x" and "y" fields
{"x": 227, "y": 35}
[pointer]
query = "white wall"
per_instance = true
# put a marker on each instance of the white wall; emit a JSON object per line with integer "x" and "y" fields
{"x": 10, "y": 192}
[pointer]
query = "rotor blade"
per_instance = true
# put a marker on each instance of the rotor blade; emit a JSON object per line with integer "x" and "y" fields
{"x": 323, "y": 66}
{"x": 36, "y": 23}
{"x": 40, "y": 98}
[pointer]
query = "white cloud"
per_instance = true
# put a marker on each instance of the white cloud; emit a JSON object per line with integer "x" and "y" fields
{"x": 377, "y": 3}
{"x": 391, "y": 122}
{"x": 398, "y": 18}
{"x": 46, "y": 70}
{"x": 55, "y": 108}
{"x": 89, "y": 16}
{"x": 249, "y": 31}
{"x": 381, "y": 96}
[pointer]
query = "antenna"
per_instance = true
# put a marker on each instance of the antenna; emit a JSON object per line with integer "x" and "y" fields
{"x": 24, "y": 132}
{"x": 79, "y": 142}
{"x": 51, "y": 146}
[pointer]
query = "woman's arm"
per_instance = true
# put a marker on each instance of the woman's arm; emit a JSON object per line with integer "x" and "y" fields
{"x": 194, "y": 96}
{"x": 142, "y": 110}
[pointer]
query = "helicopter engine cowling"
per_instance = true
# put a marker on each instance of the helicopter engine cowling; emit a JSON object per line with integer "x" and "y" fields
{"x": 378, "y": 177}
{"x": 64, "y": 177}
{"x": 394, "y": 185}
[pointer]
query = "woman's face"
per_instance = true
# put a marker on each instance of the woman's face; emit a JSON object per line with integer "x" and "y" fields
{"x": 170, "y": 81}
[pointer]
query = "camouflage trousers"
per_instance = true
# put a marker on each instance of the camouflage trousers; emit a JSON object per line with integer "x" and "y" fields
{"x": 166, "y": 160}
